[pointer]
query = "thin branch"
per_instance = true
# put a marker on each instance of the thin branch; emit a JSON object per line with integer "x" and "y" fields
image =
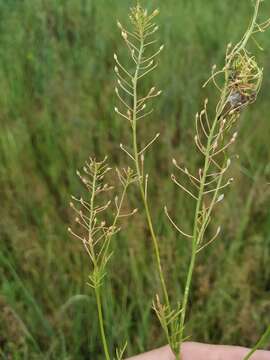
{"x": 121, "y": 78}
{"x": 182, "y": 187}
{"x": 148, "y": 71}
{"x": 174, "y": 224}
{"x": 149, "y": 144}
{"x": 122, "y": 100}
{"x": 199, "y": 145}
{"x": 154, "y": 55}
{"x": 123, "y": 87}
{"x": 144, "y": 115}
{"x": 122, "y": 148}
{"x": 219, "y": 188}
{"x": 121, "y": 114}
{"x": 122, "y": 67}
{"x": 210, "y": 241}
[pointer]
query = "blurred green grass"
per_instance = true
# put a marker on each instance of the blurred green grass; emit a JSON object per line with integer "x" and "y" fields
{"x": 56, "y": 101}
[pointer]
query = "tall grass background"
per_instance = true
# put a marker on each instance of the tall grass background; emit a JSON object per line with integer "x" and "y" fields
{"x": 56, "y": 108}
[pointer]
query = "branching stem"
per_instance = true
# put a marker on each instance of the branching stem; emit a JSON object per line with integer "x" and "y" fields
{"x": 141, "y": 180}
{"x": 196, "y": 232}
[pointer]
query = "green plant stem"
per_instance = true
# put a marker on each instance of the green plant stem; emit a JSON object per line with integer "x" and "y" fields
{"x": 101, "y": 323}
{"x": 91, "y": 212}
{"x": 262, "y": 342}
{"x": 242, "y": 44}
{"x": 141, "y": 185}
{"x": 252, "y": 25}
{"x": 196, "y": 236}
{"x": 97, "y": 289}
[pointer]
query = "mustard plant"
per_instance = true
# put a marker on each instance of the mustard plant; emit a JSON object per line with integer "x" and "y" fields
{"x": 94, "y": 232}
{"x": 238, "y": 84}
{"x": 135, "y": 105}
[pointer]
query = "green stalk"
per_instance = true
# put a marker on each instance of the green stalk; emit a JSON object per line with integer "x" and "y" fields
{"x": 252, "y": 25}
{"x": 101, "y": 324}
{"x": 196, "y": 236}
{"x": 262, "y": 342}
{"x": 97, "y": 289}
{"x": 136, "y": 157}
{"x": 91, "y": 217}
